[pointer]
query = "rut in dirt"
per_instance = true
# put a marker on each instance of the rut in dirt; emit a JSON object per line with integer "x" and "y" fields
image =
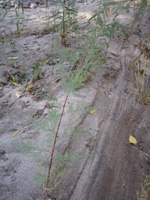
{"x": 118, "y": 168}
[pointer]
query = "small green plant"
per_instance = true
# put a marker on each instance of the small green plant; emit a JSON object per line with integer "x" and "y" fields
{"x": 141, "y": 7}
{"x": 21, "y": 78}
{"x": 83, "y": 64}
{"x": 40, "y": 151}
{"x": 7, "y": 59}
{"x": 36, "y": 70}
{"x": 64, "y": 19}
{"x": 47, "y": 13}
{"x": 105, "y": 22}
{"x": 3, "y": 13}
{"x": 19, "y": 20}
{"x": 4, "y": 43}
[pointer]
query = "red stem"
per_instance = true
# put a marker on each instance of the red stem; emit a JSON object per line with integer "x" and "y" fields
{"x": 80, "y": 64}
{"x": 51, "y": 157}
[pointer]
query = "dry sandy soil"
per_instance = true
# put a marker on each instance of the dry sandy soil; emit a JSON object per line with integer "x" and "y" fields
{"x": 108, "y": 166}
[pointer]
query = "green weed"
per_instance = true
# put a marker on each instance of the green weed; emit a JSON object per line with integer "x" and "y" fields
{"x": 19, "y": 19}
{"x": 36, "y": 70}
{"x": 64, "y": 19}
{"x": 40, "y": 151}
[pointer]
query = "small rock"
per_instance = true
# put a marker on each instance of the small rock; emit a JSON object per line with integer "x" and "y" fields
{"x": 123, "y": 52}
{"x": 12, "y": 4}
{"x": 16, "y": 5}
{"x": 33, "y": 5}
{"x": 26, "y": 4}
{"x": 3, "y": 75}
{"x": 114, "y": 49}
{"x": 109, "y": 95}
{"x": 3, "y": 81}
{"x": 39, "y": 2}
{"x": 3, "y": 3}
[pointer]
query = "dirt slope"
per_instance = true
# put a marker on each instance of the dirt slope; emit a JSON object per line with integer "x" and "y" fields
{"x": 117, "y": 168}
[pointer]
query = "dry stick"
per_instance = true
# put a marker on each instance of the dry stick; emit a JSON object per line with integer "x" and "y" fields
{"x": 81, "y": 62}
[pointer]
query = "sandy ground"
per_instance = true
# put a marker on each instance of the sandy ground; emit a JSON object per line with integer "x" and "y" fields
{"x": 105, "y": 165}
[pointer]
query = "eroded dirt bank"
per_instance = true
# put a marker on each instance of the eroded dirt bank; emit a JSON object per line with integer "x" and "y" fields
{"x": 118, "y": 168}
{"x": 108, "y": 166}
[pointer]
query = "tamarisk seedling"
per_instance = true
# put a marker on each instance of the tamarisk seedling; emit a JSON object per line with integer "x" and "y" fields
{"x": 82, "y": 68}
{"x": 3, "y": 13}
{"x": 80, "y": 65}
{"x": 64, "y": 19}
{"x": 40, "y": 152}
{"x": 53, "y": 149}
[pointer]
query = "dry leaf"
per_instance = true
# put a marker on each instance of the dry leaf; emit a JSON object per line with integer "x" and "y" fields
{"x": 45, "y": 62}
{"x": 58, "y": 79}
{"x": 29, "y": 86}
{"x": 132, "y": 140}
{"x": 93, "y": 111}
{"x": 19, "y": 94}
{"x": 16, "y": 132}
{"x": 14, "y": 83}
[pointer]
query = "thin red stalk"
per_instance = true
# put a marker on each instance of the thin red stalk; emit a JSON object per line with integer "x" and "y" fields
{"x": 80, "y": 64}
{"x": 52, "y": 154}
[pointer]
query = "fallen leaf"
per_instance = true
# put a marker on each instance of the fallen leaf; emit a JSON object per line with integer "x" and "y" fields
{"x": 29, "y": 86}
{"x": 58, "y": 79}
{"x": 132, "y": 140}
{"x": 93, "y": 111}
{"x": 19, "y": 94}
{"x": 14, "y": 83}
{"x": 16, "y": 132}
{"x": 45, "y": 62}
{"x": 1, "y": 64}
{"x": 12, "y": 58}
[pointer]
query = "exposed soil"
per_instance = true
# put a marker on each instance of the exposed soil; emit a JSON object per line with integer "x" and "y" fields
{"x": 108, "y": 166}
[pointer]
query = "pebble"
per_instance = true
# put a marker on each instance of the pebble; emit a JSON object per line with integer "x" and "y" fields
{"x": 19, "y": 94}
{"x": 33, "y": 5}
